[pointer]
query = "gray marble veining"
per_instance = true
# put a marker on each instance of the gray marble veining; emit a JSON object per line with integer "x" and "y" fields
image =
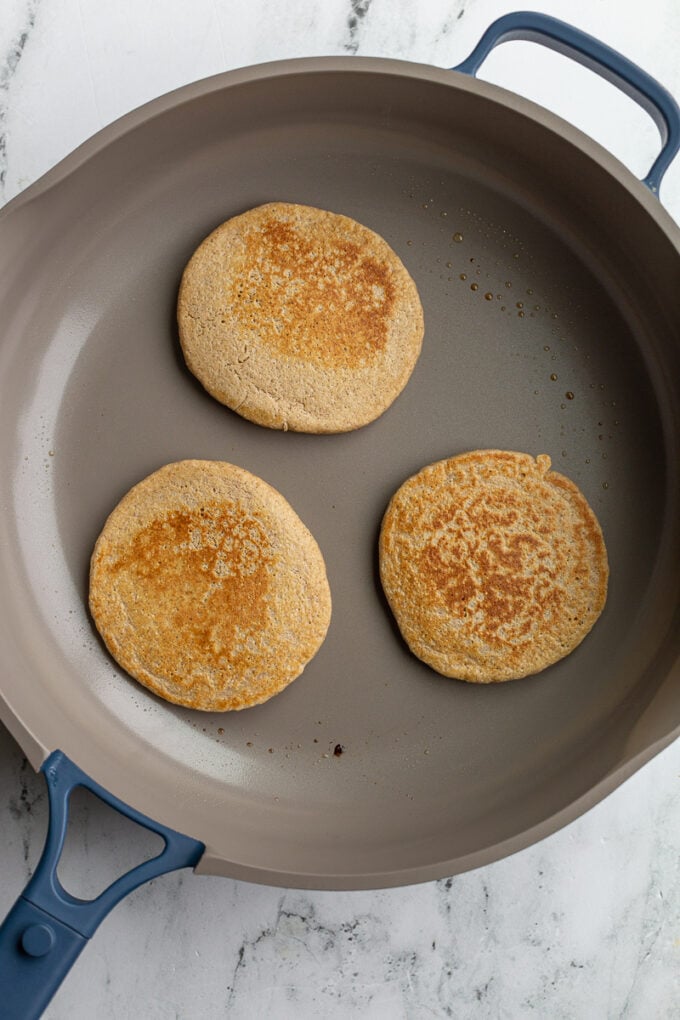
{"x": 14, "y": 43}
{"x": 583, "y": 926}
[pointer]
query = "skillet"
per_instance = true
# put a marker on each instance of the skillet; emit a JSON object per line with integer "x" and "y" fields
{"x": 575, "y": 353}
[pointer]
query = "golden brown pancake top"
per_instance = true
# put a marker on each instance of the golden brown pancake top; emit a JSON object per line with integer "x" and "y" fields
{"x": 299, "y": 318}
{"x": 207, "y": 588}
{"x": 322, "y": 298}
{"x": 205, "y": 571}
{"x": 493, "y": 565}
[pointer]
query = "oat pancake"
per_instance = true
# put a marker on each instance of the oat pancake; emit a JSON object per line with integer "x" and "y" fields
{"x": 299, "y": 319}
{"x": 207, "y": 587}
{"x": 493, "y": 565}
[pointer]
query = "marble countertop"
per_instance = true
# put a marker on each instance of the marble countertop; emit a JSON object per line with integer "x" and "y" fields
{"x": 585, "y": 924}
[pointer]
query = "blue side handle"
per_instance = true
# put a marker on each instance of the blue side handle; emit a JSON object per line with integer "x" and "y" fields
{"x": 47, "y": 928}
{"x": 610, "y": 65}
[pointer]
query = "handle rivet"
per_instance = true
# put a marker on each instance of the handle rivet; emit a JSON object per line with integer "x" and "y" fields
{"x": 37, "y": 940}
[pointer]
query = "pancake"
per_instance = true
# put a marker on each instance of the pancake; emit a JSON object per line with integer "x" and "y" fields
{"x": 207, "y": 587}
{"x": 299, "y": 319}
{"x": 494, "y": 566}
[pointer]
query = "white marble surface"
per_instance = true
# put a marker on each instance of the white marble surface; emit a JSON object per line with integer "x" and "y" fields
{"x": 583, "y": 926}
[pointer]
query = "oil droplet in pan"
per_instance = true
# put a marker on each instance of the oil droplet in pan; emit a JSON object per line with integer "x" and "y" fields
{"x": 474, "y": 286}
{"x": 488, "y": 296}
{"x": 553, "y": 376}
{"x": 463, "y": 276}
{"x": 457, "y": 237}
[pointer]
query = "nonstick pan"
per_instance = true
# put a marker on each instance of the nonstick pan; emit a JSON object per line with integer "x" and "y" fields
{"x": 549, "y": 277}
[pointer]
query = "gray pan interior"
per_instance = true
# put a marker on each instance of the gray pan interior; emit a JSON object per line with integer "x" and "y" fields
{"x": 576, "y": 272}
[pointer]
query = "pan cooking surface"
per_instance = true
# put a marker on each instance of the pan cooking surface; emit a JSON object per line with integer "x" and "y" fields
{"x": 370, "y": 764}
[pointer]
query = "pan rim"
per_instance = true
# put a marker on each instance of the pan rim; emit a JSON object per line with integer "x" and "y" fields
{"x": 347, "y": 65}
{"x": 215, "y": 864}
{"x": 21, "y": 729}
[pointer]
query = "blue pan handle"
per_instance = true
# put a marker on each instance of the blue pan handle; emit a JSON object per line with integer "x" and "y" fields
{"x": 47, "y": 928}
{"x": 610, "y": 65}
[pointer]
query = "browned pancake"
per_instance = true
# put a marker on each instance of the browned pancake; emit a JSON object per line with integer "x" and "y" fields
{"x": 494, "y": 566}
{"x": 300, "y": 319}
{"x": 207, "y": 587}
